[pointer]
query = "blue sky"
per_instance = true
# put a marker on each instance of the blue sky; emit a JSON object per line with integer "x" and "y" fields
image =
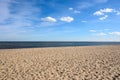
{"x": 59, "y": 20}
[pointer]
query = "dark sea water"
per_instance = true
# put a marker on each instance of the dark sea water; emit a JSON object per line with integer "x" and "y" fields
{"x": 12, "y": 45}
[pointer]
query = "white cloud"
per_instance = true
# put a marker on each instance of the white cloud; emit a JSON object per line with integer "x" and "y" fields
{"x": 106, "y": 10}
{"x": 49, "y": 19}
{"x": 20, "y": 20}
{"x": 106, "y": 29}
{"x": 4, "y": 10}
{"x": 84, "y": 5}
{"x": 117, "y": 12}
{"x": 115, "y": 33}
{"x": 76, "y": 11}
{"x": 67, "y": 19}
{"x": 104, "y": 17}
{"x": 98, "y": 13}
{"x": 101, "y": 34}
{"x": 84, "y": 21}
{"x": 100, "y": 1}
{"x": 92, "y": 30}
{"x": 70, "y": 8}
{"x": 102, "y": 11}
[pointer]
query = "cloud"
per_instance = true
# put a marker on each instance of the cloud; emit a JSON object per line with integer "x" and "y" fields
{"x": 106, "y": 29}
{"x": 90, "y": 3}
{"x": 67, "y": 19}
{"x": 117, "y": 12}
{"x": 104, "y": 17}
{"x": 101, "y": 34}
{"x": 76, "y": 11}
{"x": 107, "y": 10}
{"x": 100, "y": 1}
{"x": 98, "y": 13}
{"x": 83, "y": 5}
{"x": 14, "y": 12}
{"x": 84, "y": 21}
{"x": 4, "y": 10}
{"x": 70, "y": 8}
{"x": 17, "y": 16}
{"x": 98, "y": 32}
{"x": 49, "y": 19}
{"x": 102, "y": 11}
{"x": 44, "y": 24}
{"x": 92, "y": 30}
{"x": 115, "y": 33}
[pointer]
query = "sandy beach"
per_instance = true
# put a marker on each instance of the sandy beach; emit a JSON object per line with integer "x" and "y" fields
{"x": 61, "y": 63}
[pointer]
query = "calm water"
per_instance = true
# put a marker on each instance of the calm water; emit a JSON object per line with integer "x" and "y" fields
{"x": 10, "y": 45}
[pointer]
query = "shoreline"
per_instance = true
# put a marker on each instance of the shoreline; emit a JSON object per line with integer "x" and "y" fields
{"x": 60, "y": 47}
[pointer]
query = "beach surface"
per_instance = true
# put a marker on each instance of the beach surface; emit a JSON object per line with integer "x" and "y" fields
{"x": 61, "y": 63}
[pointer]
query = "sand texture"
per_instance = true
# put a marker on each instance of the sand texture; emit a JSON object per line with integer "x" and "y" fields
{"x": 63, "y": 63}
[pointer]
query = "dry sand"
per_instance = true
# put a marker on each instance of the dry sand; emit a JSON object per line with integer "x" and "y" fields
{"x": 64, "y": 63}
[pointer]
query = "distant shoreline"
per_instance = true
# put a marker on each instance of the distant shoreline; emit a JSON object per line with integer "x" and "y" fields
{"x": 59, "y": 47}
{"x": 17, "y": 45}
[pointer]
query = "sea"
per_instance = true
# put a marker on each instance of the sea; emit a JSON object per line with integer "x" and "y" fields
{"x": 42, "y": 44}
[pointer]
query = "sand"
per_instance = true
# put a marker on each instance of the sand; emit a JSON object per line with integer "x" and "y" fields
{"x": 61, "y": 63}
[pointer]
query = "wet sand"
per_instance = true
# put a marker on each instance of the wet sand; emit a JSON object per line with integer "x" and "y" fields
{"x": 61, "y": 63}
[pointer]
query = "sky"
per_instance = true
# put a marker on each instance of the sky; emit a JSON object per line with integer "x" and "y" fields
{"x": 59, "y": 20}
